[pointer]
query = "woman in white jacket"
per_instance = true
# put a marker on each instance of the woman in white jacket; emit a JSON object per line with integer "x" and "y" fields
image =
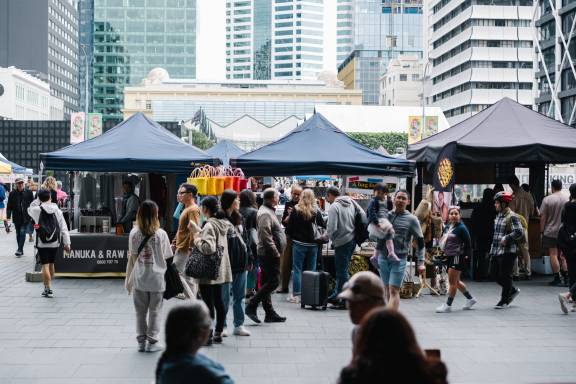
{"x": 47, "y": 249}
{"x": 214, "y": 234}
{"x": 148, "y": 249}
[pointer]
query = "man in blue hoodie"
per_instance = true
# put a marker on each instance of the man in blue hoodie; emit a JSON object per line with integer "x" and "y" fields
{"x": 341, "y": 220}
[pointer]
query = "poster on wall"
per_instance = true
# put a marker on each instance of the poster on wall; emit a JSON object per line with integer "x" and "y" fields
{"x": 414, "y": 129}
{"x": 94, "y": 125}
{"x": 365, "y": 184}
{"x": 431, "y": 126}
{"x": 76, "y": 127}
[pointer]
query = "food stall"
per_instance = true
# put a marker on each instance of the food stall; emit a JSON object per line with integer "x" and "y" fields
{"x": 488, "y": 147}
{"x": 137, "y": 150}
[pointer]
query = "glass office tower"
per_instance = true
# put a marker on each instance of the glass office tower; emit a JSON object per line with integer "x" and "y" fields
{"x": 132, "y": 37}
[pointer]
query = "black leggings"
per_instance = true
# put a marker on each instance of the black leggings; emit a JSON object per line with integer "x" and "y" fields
{"x": 212, "y": 296}
{"x": 571, "y": 263}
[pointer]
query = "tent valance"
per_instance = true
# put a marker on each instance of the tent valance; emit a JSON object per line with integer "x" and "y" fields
{"x": 137, "y": 144}
{"x": 318, "y": 147}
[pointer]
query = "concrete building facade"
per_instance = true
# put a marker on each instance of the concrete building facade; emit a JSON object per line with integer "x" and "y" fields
{"x": 41, "y": 37}
{"x": 401, "y": 84}
{"x": 480, "y": 51}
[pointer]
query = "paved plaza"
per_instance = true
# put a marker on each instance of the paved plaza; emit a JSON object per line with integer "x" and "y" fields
{"x": 86, "y": 334}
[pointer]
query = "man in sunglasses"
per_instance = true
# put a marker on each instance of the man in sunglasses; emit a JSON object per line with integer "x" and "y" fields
{"x": 362, "y": 293}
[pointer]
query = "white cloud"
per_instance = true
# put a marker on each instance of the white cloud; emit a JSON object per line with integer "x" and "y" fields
{"x": 211, "y": 40}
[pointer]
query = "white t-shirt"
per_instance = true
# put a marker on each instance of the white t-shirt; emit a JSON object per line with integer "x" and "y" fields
{"x": 150, "y": 265}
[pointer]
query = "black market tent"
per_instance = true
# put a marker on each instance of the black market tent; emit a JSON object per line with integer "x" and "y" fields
{"x": 506, "y": 132}
{"x": 137, "y": 144}
{"x": 225, "y": 150}
{"x": 318, "y": 147}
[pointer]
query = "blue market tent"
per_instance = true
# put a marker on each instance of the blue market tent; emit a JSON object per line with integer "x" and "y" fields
{"x": 137, "y": 144}
{"x": 225, "y": 150}
{"x": 318, "y": 147}
{"x": 16, "y": 169}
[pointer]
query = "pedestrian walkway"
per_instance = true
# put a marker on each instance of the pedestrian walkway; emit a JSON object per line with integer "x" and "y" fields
{"x": 85, "y": 334}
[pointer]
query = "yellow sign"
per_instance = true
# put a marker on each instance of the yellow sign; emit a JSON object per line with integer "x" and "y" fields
{"x": 414, "y": 129}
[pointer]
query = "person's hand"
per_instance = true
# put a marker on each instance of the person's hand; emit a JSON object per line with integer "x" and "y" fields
{"x": 67, "y": 248}
{"x": 289, "y": 210}
{"x": 193, "y": 227}
{"x": 503, "y": 242}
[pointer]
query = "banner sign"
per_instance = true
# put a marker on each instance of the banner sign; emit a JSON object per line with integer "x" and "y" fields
{"x": 76, "y": 127}
{"x": 417, "y": 131}
{"x": 94, "y": 125}
{"x": 431, "y": 126}
{"x": 366, "y": 184}
{"x": 94, "y": 255}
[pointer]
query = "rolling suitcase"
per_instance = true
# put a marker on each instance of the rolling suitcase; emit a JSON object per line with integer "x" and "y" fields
{"x": 315, "y": 289}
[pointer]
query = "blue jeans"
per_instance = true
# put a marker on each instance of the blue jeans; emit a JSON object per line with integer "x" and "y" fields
{"x": 342, "y": 256}
{"x": 21, "y": 230}
{"x": 302, "y": 255}
{"x": 238, "y": 286}
{"x": 392, "y": 272}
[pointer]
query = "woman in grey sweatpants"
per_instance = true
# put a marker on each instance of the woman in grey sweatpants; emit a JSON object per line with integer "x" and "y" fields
{"x": 148, "y": 249}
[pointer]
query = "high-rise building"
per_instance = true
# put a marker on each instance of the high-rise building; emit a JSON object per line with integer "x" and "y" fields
{"x": 480, "y": 51}
{"x": 379, "y": 30}
{"x": 275, "y": 39}
{"x": 402, "y": 82}
{"x": 556, "y": 71}
{"x": 41, "y": 38}
{"x": 128, "y": 38}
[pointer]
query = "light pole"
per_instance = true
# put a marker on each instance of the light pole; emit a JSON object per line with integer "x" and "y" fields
{"x": 423, "y": 96}
{"x": 85, "y": 52}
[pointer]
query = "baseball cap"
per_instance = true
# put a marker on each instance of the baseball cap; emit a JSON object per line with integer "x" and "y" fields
{"x": 361, "y": 286}
{"x": 19, "y": 180}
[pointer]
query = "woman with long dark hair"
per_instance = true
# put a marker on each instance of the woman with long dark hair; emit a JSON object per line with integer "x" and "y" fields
{"x": 213, "y": 235}
{"x": 187, "y": 330}
{"x": 148, "y": 249}
{"x": 249, "y": 211}
{"x": 457, "y": 247}
{"x": 237, "y": 251}
{"x": 386, "y": 342}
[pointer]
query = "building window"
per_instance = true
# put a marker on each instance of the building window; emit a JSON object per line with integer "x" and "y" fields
{"x": 403, "y": 77}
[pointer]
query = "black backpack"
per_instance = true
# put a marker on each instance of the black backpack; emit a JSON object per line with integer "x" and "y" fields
{"x": 48, "y": 230}
{"x": 360, "y": 226}
{"x": 237, "y": 251}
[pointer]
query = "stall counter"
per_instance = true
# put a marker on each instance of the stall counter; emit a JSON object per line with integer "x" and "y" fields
{"x": 93, "y": 255}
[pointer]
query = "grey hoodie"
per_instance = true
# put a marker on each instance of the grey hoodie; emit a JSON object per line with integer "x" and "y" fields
{"x": 341, "y": 215}
{"x": 34, "y": 212}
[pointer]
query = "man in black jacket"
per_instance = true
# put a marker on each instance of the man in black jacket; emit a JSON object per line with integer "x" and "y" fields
{"x": 18, "y": 202}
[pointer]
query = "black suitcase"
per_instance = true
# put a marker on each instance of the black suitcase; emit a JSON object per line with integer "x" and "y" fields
{"x": 315, "y": 289}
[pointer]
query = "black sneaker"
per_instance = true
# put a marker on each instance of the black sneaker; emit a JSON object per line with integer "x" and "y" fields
{"x": 47, "y": 293}
{"x": 217, "y": 339}
{"x": 513, "y": 295}
{"x": 502, "y": 304}
{"x": 50, "y": 293}
{"x": 556, "y": 282}
{"x": 18, "y": 253}
{"x": 250, "y": 311}
{"x": 274, "y": 318}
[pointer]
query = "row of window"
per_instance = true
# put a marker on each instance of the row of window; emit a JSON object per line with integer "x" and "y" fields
{"x": 63, "y": 71}
{"x": 72, "y": 24}
{"x": 480, "y": 85}
{"x": 65, "y": 47}
{"x": 71, "y": 39}
{"x": 56, "y": 80}
{"x": 481, "y": 64}
{"x": 481, "y": 44}
{"x": 62, "y": 58}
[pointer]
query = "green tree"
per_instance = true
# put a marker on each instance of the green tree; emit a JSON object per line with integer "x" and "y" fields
{"x": 391, "y": 141}
{"x": 200, "y": 140}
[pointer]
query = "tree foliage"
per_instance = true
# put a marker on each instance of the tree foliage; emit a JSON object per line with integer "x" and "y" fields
{"x": 391, "y": 141}
{"x": 200, "y": 140}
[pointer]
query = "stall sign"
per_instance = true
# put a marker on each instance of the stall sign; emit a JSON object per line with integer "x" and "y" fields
{"x": 77, "y": 120}
{"x": 93, "y": 255}
{"x": 366, "y": 184}
{"x": 94, "y": 125}
{"x": 418, "y": 131}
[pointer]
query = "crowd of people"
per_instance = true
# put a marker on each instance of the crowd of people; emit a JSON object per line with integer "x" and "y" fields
{"x": 254, "y": 254}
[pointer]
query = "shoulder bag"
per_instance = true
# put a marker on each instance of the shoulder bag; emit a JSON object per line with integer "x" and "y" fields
{"x": 201, "y": 266}
{"x": 172, "y": 279}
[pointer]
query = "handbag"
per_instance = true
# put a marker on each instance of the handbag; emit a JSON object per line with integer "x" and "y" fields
{"x": 174, "y": 284}
{"x": 201, "y": 266}
{"x": 320, "y": 234}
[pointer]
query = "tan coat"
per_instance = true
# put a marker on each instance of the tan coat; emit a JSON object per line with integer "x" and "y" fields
{"x": 184, "y": 237}
{"x": 215, "y": 231}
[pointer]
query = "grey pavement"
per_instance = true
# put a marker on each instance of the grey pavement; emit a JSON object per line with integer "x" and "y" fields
{"x": 86, "y": 334}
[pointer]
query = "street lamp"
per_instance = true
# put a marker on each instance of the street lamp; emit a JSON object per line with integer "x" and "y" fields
{"x": 85, "y": 52}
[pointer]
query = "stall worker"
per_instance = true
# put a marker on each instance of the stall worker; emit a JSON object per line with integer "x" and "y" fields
{"x": 130, "y": 203}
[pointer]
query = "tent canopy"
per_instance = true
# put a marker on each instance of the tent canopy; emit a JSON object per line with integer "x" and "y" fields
{"x": 225, "y": 150}
{"x": 506, "y": 132}
{"x": 15, "y": 168}
{"x": 137, "y": 144}
{"x": 318, "y": 147}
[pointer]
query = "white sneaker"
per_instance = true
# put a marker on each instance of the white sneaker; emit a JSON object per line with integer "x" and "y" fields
{"x": 181, "y": 296}
{"x": 241, "y": 331}
{"x": 293, "y": 299}
{"x": 153, "y": 347}
{"x": 444, "y": 308}
{"x": 563, "y": 303}
{"x": 224, "y": 332}
{"x": 469, "y": 304}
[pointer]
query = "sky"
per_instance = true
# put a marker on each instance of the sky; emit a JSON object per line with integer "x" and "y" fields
{"x": 211, "y": 39}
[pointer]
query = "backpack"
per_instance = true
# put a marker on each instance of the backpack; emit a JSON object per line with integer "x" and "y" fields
{"x": 360, "y": 226}
{"x": 567, "y": 240}
{"x": 237, "y": 251}
{"x": 48, "y": 229}
{"x": 508, "y": 221}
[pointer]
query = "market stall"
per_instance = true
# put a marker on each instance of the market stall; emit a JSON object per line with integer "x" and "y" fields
{"x": 487, "y": 147}
{"x": 137, "y": 150}
{"x": 225, "y": 150}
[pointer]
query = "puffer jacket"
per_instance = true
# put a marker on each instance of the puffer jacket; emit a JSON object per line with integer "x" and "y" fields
{"x": 215, "y": 232}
